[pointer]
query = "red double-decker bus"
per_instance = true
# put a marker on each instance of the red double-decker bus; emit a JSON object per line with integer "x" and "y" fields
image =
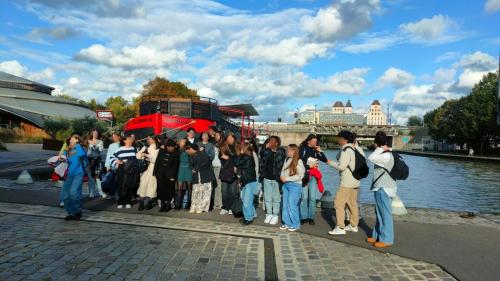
{"x": 173, "y": 116}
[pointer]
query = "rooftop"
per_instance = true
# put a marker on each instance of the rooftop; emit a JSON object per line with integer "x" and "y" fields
{"x": 8, "y": 80}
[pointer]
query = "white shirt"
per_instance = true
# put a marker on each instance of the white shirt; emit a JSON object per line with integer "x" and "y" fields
{"x": 382, "y": 160}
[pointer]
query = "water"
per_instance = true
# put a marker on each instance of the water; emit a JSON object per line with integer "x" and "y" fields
{"x": 436, "y": 183}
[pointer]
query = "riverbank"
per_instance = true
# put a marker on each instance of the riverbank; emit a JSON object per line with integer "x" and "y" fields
{"x": 452, "y": 156}
{"x": 433, "y": 236}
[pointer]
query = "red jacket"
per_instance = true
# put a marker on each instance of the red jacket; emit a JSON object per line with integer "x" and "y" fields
{"x": 315, "y": 172}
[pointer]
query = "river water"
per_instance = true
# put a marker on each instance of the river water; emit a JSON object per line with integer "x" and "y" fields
{"x": 455, "y": 185}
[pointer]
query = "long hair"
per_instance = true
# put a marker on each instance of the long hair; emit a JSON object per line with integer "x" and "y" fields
{"x": 225, "y": 149}
{"x": 247, "y": 149}
{"x": 253, "y": 143}
{"x": 308, "y": 139}
{"x": 295, "y": 160}
{"x": 81, "y": 142}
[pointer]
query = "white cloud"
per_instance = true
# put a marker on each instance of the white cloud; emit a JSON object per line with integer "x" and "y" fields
{"x": 447, "y": 56}
{"x": 469, "y": 78}
{"x": 13, "y": 67}
{"x": 492, "y": 6}
{"x": 73, "y": 81}
{"x": 444, "y": 74}
{"x": 395, "y": 77}
{"x": 477, "y": 61}
{"x": 341, "y": 20}
{"x": 44, "y": 76}
{"x": 346, "y": 82}
{"x": 128, "y": 57}
{"x": 435, "y": 30}
{"x": 291, "y": 51}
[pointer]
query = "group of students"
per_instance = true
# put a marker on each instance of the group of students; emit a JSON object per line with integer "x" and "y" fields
{"x": 217, "y": 172}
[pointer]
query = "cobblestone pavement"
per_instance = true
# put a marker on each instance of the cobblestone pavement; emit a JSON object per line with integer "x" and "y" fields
{"x": 145, "y": 246}
{"x": 419, "y": 215}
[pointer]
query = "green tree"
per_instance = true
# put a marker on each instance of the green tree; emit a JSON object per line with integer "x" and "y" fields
{"x": 470, "y": 119}
{"x": 54, "y": 125}
{"x": 122, "y": 110}
{"x": 414, "y": 121}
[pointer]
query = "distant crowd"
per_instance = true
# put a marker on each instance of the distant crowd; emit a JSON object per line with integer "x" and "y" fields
{"x": 214, "y": 171}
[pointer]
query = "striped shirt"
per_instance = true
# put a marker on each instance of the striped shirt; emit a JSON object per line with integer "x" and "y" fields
{"x": 123, "y": 153}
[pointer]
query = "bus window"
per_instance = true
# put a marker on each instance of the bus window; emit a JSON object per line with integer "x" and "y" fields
{"x": 182, "y": 109}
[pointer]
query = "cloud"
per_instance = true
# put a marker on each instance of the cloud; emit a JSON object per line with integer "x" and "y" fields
{"x": 477, "y": 61}
{"x": 59, "y": 33}
{"x": 103, "y": 8}
{"x": 394, "y": 77}
{"x": 13, "y": 67}
{"x": 444, "y": 74}
{"x": 291, "y": 51}
{"x": 128, "y": 57}
{"x": 346, "y": 82}
{"x": 341, "y": 20}
{"x": 492, "y": 6}
{"x": 436, "y": 30}
{"x": 447, "y": 56}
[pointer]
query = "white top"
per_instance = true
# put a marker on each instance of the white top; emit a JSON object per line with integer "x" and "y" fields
{"x": 285, "y": 172}
{"x": 216, "y": 162}
{"x": 383, "y": 160}
{"x": 346, "y": 164}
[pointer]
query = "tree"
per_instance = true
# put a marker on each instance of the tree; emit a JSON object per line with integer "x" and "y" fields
{"x": 122, "y": 110}
{"x": 54, "y": 125}
{"x": 414, "y": 121}
{"x": 163, "y": 87}
{"x": 470, "y": 119}
{"x": 94, "y": 105}
{"x": 85, "y": 125}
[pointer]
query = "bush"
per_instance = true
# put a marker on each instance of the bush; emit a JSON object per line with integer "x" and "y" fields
{"x": 55, "y": 125}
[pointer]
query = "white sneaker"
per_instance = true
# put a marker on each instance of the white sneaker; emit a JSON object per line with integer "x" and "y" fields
{"x": 274, "y": 220}
{"x": 351, "y": 228}
{"x": 61, "y": 204}
{"x": 119, "y": 206}
{"x": 230, "y": 212}
{"x": 337, "y": 231}
{"x": 283, "y": 227}
{"x": 292, "y": 229}
{"x": 104, "y": 196}
{"x": 223, "y": 212}
{"x": 128, "y": 206}
{"x": 268, "y": 218}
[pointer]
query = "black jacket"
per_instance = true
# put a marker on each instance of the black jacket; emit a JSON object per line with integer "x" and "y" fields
{"x": 202, "y": 164}
{"x": 279, "y": 160}
{"x": 227, "y": 173}
{"x": 166, "y": 165}
{"x": 306, "y": 152}
{"x": 246, "y": 168}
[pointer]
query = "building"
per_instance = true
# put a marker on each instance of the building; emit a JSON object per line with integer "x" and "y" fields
{"x": 375, "y": 115}
{"x": 339, "y": 114}
{"x": 25, "y": 104}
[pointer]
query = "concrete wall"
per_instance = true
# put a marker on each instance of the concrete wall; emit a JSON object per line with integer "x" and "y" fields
{"x": 290, "y": 137}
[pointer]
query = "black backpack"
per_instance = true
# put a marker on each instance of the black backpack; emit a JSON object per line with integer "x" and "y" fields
{"x": 400, "y": 171}
{"x": 361, "y": 167}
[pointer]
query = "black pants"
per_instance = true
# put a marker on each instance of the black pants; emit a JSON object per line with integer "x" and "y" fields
{"x": 229, "y": 194}
{"x": 124, "y": 194}
{"x": 165, "y": 190}
{"x": 181, "y": 189}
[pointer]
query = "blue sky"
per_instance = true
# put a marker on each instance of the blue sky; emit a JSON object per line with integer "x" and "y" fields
{"x": 278, "y": 55}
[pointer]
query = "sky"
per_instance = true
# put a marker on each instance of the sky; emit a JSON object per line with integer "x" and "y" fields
{"x": 282, "y": 55}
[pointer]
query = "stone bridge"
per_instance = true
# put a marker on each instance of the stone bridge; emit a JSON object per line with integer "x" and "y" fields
{"x": 296, "y": 133}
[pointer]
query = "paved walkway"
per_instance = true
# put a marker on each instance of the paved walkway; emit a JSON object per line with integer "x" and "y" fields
{"x": 121, "y": 246}
{"x": 468, "y": 248}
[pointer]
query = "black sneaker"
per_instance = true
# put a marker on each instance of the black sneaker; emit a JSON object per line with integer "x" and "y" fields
{"x": 78, "y": 216}
{"x": 303, "y": 221}
{"x": 311, "y": 222}
{"x": 245, "y": 222}
{"x": 70, "y": 218}
{"x": 141, "y": 206}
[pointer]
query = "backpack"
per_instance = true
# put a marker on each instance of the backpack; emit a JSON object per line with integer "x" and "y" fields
{"x": 94, "y": 152}
{"x": 361, "y": 168}
{"x": 400, "y": 171}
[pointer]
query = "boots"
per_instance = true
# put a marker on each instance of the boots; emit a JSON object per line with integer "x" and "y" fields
{"x": 149, "y": 206}
{"x": 165, "y": 207}
{"x": 141, "y": 205}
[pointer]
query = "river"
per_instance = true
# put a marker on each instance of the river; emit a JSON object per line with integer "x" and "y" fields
{"x": 436, "y": 183}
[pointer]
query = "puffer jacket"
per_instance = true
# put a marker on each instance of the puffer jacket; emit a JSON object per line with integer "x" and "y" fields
{"x": 246, "y": 169}
{"x": 279, "y": 160}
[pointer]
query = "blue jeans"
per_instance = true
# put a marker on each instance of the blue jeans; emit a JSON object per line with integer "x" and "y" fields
{"x": 308, "y": 202}
{"x": 384, "y": 227}
{"x": 72, "y": 194}
{"x": 272, "y": 197}
{"x": 291, "y": 198}
{"x": 247, "y": 194}
{"x": 93, "y": 191}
